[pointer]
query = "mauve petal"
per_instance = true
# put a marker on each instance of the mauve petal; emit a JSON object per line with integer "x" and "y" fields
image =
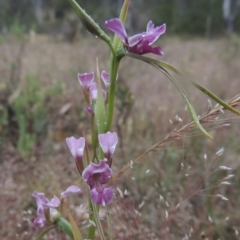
{"x": 88, "y": 110}
{"x": 76, "y": 146}
{"x": 40, "y": 198}
{"x": 132, "y": 41}
{"x": 105, "y": 78}
{"x": 108, "y": 142}
{"x": 150, "y": 26}
{"x": 39, "y": 222}
{"x": 86, "y": 79}
{"x": 116, "y": 26}
{"x": 103, "y": 197}
{"x": 154, "y": 34}
{"x": 93, "y": 91}
{"x": 70, "y": 190}
{"x": 97, "y": 172}
{"x": 54, "y": 203}
{"x": 150, "y": 49}
{"x": 41, "y": 201}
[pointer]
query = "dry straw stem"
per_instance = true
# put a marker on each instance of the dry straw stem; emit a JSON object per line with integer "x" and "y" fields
{"x": 176, "y": 134}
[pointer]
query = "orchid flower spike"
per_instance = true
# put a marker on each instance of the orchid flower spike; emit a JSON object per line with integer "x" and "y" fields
{"x": 108, "y": 142}
{"x": 96, "y": 175}
{"x": 76, "y": 147}
{"x": 139, "y": 43}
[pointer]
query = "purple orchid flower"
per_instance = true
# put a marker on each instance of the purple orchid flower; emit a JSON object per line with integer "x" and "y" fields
{"x": 41, "y": 201}
{"x": 76, "y": 147}
{"x": 139, "y": 43}
{"x": 96, "y": 175}
{"x": 108, "y": 142}
{"x": 46, "y": 207}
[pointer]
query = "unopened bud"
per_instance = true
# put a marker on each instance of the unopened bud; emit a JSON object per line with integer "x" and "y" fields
{"x": 89, "y": 23}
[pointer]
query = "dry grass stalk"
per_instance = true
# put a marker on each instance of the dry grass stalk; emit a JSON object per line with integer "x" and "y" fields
{"x": 176, "y": 134}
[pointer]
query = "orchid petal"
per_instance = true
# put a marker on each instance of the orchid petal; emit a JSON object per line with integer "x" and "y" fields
{"x": 97, "y": 173}
{"x": 150, "y": 26}
{"x": 116, "y": 26}
{"x": 76, "y": 146}
{"x": 70, "y": 190}
{"x": 105, "y": 78}
{"x": 93, "y": 91}
{"x": 54, "y": 203}
{"x": 150, "y": 49}
{"x": 88, "y": 110}
{"x": 154, "y": 34}
{"x": 108, "y": 142}
{"x": 39, "y": 222}
{"x": 86, "y": 79}
{"x": 103, "y": 197}
{"x": 132, "y": 41}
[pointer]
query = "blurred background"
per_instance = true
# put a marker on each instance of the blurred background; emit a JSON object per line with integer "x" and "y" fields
{"x": 43, "y": 46}
{"x": 204, "y": 18}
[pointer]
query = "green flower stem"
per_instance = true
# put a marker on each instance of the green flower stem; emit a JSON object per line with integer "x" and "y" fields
{"x": 65, "y": 226}
{"x": 91, "y": 230}
{"x": 114, "y": 64}
{"x": 94, "y": 136}
{"x": 94, "y": 216}
{"x": 97, "y": 221}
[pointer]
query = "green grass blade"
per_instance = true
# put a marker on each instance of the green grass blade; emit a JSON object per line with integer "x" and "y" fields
{"x": 215, "y": 98}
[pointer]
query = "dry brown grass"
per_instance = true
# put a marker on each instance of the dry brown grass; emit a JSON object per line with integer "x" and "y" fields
{"x": 214, "y": 63}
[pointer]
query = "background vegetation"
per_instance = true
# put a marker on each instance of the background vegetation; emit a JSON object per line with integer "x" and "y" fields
{"x": 203, "y": 17}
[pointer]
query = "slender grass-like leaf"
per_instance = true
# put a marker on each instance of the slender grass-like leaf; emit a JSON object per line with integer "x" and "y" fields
{"x": 75, "y": 230}
{"x": 157, "y": 62}
{"x": 161, "y": 66}
{"x": 215, "y": 98}
{"x": 185, "y": 97}
{"x": 40, "y": 237}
